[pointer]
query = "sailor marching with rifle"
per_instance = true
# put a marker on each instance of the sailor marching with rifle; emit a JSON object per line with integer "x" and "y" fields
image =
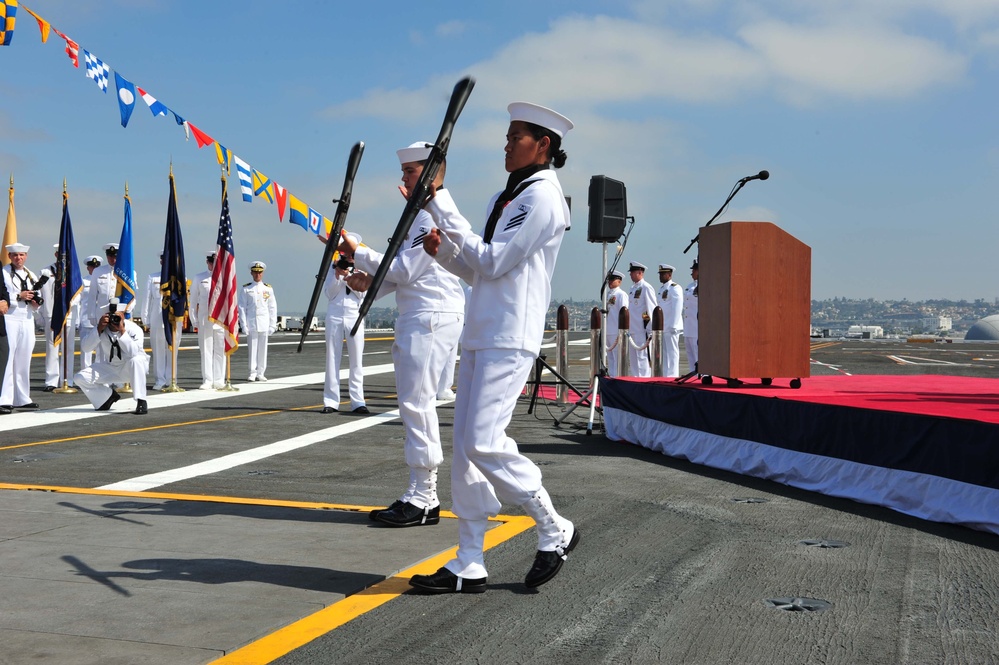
{"x": 510, "y": 266}
{"x": 431, "y": 305}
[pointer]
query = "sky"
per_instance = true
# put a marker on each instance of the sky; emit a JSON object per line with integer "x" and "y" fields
{"x": 876, "y": 120}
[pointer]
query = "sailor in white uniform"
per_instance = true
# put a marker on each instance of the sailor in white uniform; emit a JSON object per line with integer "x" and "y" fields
{"x": 92, "y": 263}
{"x": 258, "y": 317}
{"x": 53, "y": 351}
{"x": 671, "y": 302}
{"x": 431, "y": 304}
{"x": 19, "y": 320}
{"x": 152, "y": 316}
{"x": 617, "y": 299}
{"x": 344, "y": 303}
{"x": 121, "y": 359}
{"x": 641, "y": 302}
{"x": 211, "y": 335}
{"x": 510, "y": 267}
{"x": 690, "y": 319}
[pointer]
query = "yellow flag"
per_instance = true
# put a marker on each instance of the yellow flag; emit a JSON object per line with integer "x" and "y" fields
{"x": 43, "y": 25}
{"x": 9, "y": 231}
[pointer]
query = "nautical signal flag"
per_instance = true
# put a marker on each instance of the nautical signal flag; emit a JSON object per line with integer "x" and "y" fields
{"x": 315, "y": 221}
{"x": 281, "y": 198}
{"x": 199, "y": 136}
{"x": 72, "y": 49}
{"x": 299, "y": 212}
{"x": 43, "y": 26}
{"x": 8, "y": 15}
{"x": 245, "y": 179}
{"x": 96, "y": 70}
{"x": 223, "y": 154}
{"x": 262, "y": 186}
{"x": 126, "y": 97}
{"x": 155, "y": 107}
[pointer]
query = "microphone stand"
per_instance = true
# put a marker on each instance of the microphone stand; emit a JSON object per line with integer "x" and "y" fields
{"x": 735, "y": 190}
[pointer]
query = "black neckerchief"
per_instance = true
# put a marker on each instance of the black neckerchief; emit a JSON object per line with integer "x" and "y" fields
{"x": 23, "y": 280}
{"x": 509, "y": 194}
{"x": 114, "y": 348}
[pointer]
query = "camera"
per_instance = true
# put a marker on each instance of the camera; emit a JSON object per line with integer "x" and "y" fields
{"x": 36, "y": 292}
{"x": 343, "y": 263}
{"x": 113, "y": 317}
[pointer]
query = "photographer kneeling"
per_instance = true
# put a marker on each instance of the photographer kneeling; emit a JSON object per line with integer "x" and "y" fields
{"x": 120, "y": 359}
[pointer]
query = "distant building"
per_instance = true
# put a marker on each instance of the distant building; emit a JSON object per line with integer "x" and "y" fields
{"x": 937, "y": 323}
{"x": 866, "y": 332}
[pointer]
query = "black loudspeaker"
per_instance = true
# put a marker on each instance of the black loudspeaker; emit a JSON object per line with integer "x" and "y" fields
{"x": 608, "y": 209}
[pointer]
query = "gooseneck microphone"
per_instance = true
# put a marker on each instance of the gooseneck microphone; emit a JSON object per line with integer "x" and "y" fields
{"x": 762, "y": 175}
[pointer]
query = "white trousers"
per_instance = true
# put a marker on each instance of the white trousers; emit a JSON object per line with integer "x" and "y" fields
{"x": 690, "y": 343}
{"x": 211, "y": 341}
{"x": 53, "y": 357}
{"x": 338, "y": 330}
{"x": 161, "y": 365}
{"x": 256, "y": 345}
{"x": 612, "y": 354}
{"x": 86, "y": 357}
{"x": 95, "y": 381}
{"x": 671, "y": 353}
{"x": 423, "y": 344}
{"x": 16, "y": 390}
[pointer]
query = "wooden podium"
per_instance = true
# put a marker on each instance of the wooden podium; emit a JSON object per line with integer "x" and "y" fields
{"x": 754, "y": 302}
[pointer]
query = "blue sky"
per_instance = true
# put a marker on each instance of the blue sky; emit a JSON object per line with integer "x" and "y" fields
{"x": 876, "y": 121}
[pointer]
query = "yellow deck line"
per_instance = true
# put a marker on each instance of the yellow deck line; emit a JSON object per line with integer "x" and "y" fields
{"x": 285, "y": 640}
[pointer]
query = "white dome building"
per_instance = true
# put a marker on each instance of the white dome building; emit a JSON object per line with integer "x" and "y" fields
{"x": 985, "y": 330}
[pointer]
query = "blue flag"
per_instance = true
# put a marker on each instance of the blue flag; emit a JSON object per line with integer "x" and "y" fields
{"x": 124, "y": 267}
{"x": 68, "y": 283}
{"x": 126, "y": 97}
{"x": 173, "y": 277}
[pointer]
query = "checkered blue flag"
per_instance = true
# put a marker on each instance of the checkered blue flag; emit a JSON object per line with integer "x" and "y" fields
{"x": 96, "y": 70}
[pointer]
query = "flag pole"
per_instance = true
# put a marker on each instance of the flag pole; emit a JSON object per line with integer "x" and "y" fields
{"x": 126, "y": 387}
{"x": 65, "y": 388}
{"x": 177, "y": 329}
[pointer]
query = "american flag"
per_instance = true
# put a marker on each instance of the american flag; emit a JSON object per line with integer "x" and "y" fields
{"x": 222, "y": 301}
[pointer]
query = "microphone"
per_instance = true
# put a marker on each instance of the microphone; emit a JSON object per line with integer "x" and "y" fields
{"x": 762, "y": 175}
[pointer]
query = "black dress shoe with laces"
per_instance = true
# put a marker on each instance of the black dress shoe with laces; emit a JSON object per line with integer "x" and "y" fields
{"x": 49, "y": 389}
{"x": 547, "y": 564}
{"x": 141, "y": 407}
{"x": 444, "y": 581}
{"x": 106, "y": 406}
{"x": 6, "y": 408}
{"x": 395, "y": 504}
{"x": 406, "y": 514}
{"x": 328, "y": 409}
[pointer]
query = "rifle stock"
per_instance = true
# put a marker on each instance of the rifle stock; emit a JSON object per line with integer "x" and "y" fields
{"x": 339, "y": 219}
{"x": 418, "y": 197}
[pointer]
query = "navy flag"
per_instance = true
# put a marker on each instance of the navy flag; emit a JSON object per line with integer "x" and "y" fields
{"x": 124, "y": 267}
{"x": 173, "y": 279}
{"x": 68, "y": 283}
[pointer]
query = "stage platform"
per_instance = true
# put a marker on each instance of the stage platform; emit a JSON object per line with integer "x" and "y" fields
{"x": 926, "y": 446}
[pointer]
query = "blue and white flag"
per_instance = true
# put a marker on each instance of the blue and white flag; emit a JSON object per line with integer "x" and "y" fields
{"x": 96, "y": 70}
{"x": 245, "y": 178}
{"x": 126, "y": 97}
{"x": 124, "y": 266}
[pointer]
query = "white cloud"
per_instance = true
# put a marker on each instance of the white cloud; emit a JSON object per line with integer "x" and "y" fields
{"x": 451, "y": 28}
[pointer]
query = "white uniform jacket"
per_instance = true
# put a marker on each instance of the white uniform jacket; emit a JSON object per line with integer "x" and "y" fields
{"x": 257, "y": 307}
{"x": 616, "y": 300}
{"x": 642, "y": 299}
{"x": 510, "y": 276}
{"x": 152, "y": 306}
{"x": 690, "y": 310}
{"x": 202, "y": 285}
{"x": 671, "y": 302}
{"x": 419, "y": 283}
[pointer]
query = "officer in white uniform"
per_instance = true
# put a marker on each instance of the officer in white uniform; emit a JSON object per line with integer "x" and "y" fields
{"x": 102, "y": 286}
{"x": 152, "y": 316}
{"x": 53, "y": 359}
{"x": 92, "y": 262}
{"x": 341, "y": 314}
{"x": 510, "y": 267}
{"x": 120, "y": 359}
{"x": 431, "y": 306}
{"x": 690, "y": 319}
{"x": 20, "y": 323}
{"x": 617, "y": 299}
{"x": 671, "y": 302}
{"x": 211, "y": 335}
{"x": 258, "y": 316}
{"x": 642, "y": 300}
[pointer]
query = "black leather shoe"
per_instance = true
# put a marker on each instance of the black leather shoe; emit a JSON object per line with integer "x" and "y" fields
{"x": 29, "y": 405}
{"x": 547, "y": 564}
{"x": 444, "y": 581}
{"x": 361, "y": 409}
{"x": 106, "y": 406}
{"x": 140, "y": 407}
{"x": 49, "y": 389}
{"x": 395, "y": 504}
{"x": 406, "y": 514}
{"x": 328, "y": 409}
{"x": 6, "y": 408}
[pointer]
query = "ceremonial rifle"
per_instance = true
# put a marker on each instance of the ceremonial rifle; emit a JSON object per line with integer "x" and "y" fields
{"x": 333, "y": 239}
{"x": 418, "y": 197}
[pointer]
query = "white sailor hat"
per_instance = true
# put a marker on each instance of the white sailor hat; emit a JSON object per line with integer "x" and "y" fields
{"x": 94, "y": 260}
{"x": 541, "y": 116}
{"x": 55, "y": 246}
{"x": 635, "y": 265}
{"x": 17, "y": 248}
{"x": 665, "y": 267}
{"x": 211, "y": 254}
{"x": 111, "y": 248}
{"x": 416, "y": 152}
{"x": 257, "y": 266}
{"x": 615, "y": 274}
